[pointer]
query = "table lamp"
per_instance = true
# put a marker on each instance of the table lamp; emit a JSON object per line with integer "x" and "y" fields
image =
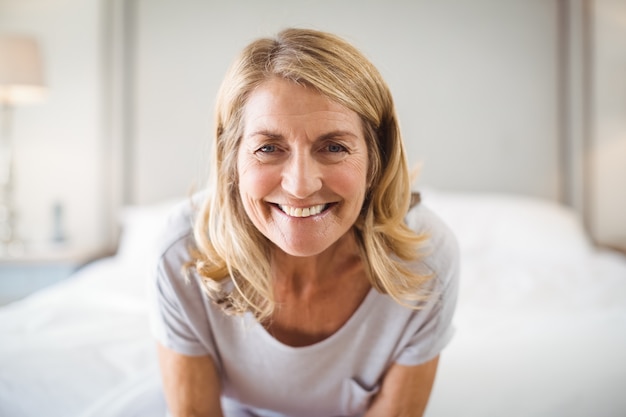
{"x": 21, "y": 81}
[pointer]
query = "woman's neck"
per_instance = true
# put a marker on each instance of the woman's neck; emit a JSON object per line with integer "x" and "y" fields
{"x": 316, "y": 296}
{"x": 298, "y": 274}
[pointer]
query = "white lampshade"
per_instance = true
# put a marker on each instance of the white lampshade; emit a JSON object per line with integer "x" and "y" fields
{"x": 21, "y": 72}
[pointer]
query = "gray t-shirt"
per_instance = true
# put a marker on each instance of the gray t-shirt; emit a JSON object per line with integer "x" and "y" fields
{"x": 338, "y": 376}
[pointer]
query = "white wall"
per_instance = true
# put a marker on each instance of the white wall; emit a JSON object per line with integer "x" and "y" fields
{"x": 608, "y": 157}
{"x": 58, "y": 142}
{"x": 474, "y": 82}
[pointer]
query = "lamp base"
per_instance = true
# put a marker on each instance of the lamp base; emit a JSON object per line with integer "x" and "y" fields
{"x": 10, "y": 244}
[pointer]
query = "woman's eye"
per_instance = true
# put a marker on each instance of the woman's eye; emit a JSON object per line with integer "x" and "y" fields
{"x": 335, "y": 148}
{"x": 267, "y": 149}
{"x": 270, "y": 153}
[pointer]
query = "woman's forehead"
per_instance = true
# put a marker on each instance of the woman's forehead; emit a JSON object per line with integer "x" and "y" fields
{"x": 279, "y": 101}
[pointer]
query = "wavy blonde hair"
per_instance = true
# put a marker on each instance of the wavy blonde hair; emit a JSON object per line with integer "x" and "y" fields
{"x": 232, "y": 257}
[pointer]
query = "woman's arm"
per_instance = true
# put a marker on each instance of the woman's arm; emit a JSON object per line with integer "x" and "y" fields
{"x": 191, "y": 384}
{"x": 405, "y": 391}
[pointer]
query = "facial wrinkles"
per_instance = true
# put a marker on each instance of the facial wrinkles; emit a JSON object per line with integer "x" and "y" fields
{"x": 259, "y": 211}
{"x": 301, "y": 126}
{"x": 293, "y": 132}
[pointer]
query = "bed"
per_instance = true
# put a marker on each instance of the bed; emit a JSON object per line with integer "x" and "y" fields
{"x": 540, "y": 325}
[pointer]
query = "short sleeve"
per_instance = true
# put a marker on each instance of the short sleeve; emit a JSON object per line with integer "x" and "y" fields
{"x": 431, "y": 327}
{"x": 178, "y": 310}
{"x": 170, "y": 321}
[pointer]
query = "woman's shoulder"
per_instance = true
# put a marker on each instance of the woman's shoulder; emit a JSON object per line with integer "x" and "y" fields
{"x": 441, "y": 246}
{"x": 177, "y": 229}
{"x": 422, "y": 219}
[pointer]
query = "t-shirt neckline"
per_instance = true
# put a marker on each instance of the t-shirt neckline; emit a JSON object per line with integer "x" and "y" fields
{"x": 355, "y": 320}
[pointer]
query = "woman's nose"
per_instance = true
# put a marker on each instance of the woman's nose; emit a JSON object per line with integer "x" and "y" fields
{"x": 302, "y": 176}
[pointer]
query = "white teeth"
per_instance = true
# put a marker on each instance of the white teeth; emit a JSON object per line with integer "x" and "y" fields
{"x": 302, "y": 212}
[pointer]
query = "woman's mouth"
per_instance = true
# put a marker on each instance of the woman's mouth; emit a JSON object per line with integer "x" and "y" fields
{"x": 303, "y": 212}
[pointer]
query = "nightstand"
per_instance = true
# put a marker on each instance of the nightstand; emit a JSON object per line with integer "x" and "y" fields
{"x": 26, "y": 273}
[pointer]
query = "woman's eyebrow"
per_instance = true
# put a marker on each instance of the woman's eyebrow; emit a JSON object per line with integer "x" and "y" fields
{"x": 325, "y": 136}
{"x": 337, "y": 133}
{"x": 266, "y": 133}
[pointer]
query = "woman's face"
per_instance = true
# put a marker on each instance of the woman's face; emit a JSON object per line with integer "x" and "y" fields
{"x": 302, "y": 166}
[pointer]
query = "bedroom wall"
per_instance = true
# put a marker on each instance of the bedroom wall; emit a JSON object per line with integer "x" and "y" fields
{"x": 474, "y": 82}
{"x": 132, "y": 84}
{"x": 476, "y": 86}
{"x": 58, "y": 142}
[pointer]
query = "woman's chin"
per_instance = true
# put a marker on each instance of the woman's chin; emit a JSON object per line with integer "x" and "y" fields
{"x": 302, "y": 249}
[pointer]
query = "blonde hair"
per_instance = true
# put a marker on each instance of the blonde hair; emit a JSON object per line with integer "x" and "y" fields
{"x": 232, "y": 257}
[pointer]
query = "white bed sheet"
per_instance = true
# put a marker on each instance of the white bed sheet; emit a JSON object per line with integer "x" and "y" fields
{"x": 552, "y": 342}
{"x": 78, "y": 346}
{"x": 541, "y": 319}
{"x": 541, "y": 324}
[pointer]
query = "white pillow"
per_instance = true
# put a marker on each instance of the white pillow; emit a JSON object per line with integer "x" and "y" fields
{"x": 141, "y": 228}
{"x": 510, "y": 224}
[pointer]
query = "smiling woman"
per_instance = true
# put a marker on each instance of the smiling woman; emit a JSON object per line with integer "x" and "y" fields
{"x": 302, "y": 167}
{"x": 305, "y": 250}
